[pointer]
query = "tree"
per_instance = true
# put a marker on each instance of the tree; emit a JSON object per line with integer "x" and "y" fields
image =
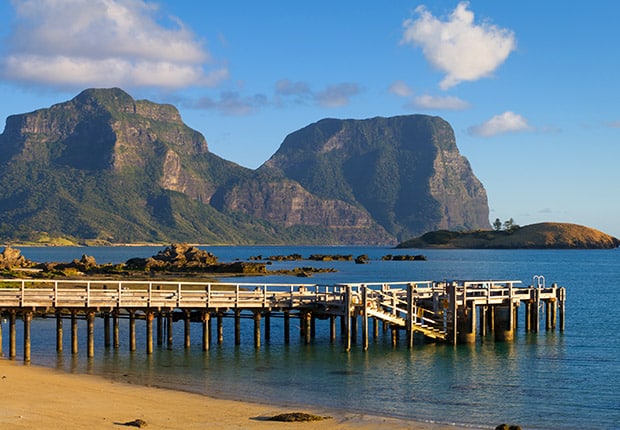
{"x": 510, "y": 225}
{"x": 497, "y": 224}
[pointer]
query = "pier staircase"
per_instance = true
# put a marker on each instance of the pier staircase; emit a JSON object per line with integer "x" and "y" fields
{"x": 391, "y": 308}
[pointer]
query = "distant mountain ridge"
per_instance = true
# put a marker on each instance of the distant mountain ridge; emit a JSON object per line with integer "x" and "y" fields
{"x": 104, "y": 167}
{"x": 546, "y": 235}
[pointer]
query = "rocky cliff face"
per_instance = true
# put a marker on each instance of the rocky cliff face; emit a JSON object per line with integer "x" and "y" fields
{"x": 106, "y": 167}
{"x": 406, "y": 172}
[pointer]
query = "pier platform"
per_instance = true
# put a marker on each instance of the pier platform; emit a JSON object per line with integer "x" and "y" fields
{"x": 440, "y": 311}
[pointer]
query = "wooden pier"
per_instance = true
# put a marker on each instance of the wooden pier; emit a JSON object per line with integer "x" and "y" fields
{"x": 452, "y": 312}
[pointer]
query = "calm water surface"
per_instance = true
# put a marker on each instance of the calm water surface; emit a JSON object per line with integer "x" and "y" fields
{"x": 551, "y": 380}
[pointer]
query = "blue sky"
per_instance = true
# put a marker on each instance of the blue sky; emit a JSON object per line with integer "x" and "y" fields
{"x": 530, "y": 87}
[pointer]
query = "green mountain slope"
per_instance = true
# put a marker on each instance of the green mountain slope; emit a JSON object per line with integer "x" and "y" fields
{"x": 105, "y": 167}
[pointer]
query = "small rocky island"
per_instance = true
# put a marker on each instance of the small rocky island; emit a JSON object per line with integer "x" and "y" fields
{"x": 546, "y": 235}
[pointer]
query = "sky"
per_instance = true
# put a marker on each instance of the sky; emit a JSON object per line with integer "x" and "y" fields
{"x": 530, "y": 88}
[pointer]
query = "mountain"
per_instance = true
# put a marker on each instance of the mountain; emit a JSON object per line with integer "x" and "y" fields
{"x": 104, "y": 167}
{"x": 405, "y": 171}
{"x": 546, "y": 235}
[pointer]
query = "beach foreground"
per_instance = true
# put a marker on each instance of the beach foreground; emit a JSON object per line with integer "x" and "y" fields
{"x": 38, "y": 397}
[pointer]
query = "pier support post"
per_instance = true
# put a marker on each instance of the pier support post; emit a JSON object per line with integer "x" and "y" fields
{"x": 116, "y": 332}
{"x": 12, "y": 334}
{"x": 186, "y": 321}
{"x": 347, "y": 318}
{"x": 307, "y": 331}
{"x": 364, "y": 318}
{"x": 257, "y": 317}
{"x": 491, "y": 319}
{"x": 312, "y": 325}
{"x": 149, "y": 317}
{"x": 58, "y": 331}
{"x": 287, "y": 327}
{"x": 410, "y": 316}
{"x": 106, "y": 329}
{"x": 483, "y": 320}
{"x": 354, "y": 327}
{"x": 206, "y": 330}
{"x": 1, "y": 352}
{"x": 375, "y": 328}
{"x": 395, "y": 335}
{"x": 27, "y": 321}
{"x": 452, "y": 294}
{"x": 561, "y": 299}
{"x": 332, "y": 328}
{"x": 74, "y": 333}
{"x": 169, "y": 321}
{"x": 132, "y": 330}
{"x": 220, "y": 328}
{"x": 90, "y": 333}
{"x": 467, "y": 323}
{"x": 528, "y": 316}
{"x": 160, "y": 329}
{"x": 504, "y": 324}
{"x": 267, "y": 326}
{"x": 237, "y": 327}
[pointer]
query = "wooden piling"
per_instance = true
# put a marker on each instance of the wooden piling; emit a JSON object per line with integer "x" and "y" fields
{"x": 116, "y": 332}
{"x": 106, "y": 329}
{"x": 237, "y": 327}
{"x": 58, "y": 331}
{"x": 220, "y": 328}
{"x": 346, "y": 318}
{"x": 287, "y": 327}
{"x": 332, "y": 328}
{"x": 267, "y": 318}
{"x": 257, "y": 317}
{"x": 483, "y": 320}
{"x": 27, "y": 323}
{"x": 74, "y": 333}
{"x": 132, "y": 330}
{"x": 12, "y": 334}
{"x": 206, "y": 330}
{"x": 307, "y": 330}
{"x": 169, "y": 321}
{"x": 410, "y": 316}
{"x": 149, "y": 316}
{"x": 90, "y": 333}
{"x": 160, "y": 329}
{"x": 186, "y": 330}
{"x": 364, "y": 318}
{"x": 504, "y": 328}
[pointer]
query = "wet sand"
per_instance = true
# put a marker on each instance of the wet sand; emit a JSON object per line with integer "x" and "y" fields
{"x": 37, "y": 397}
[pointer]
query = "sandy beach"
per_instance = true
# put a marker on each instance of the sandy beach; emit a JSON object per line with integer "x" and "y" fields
{"x": 37, "y": 397}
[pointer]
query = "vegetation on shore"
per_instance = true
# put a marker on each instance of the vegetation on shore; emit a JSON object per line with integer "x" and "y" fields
{"x": 547, "y": 235}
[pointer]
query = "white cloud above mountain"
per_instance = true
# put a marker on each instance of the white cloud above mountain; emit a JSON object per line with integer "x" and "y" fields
{"x": 76, "y": 43}
{"x": 464, "y": 50}
{"x": 507, "y": 122}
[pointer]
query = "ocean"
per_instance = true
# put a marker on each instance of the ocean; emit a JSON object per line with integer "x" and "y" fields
{"x": 548, "y": 380}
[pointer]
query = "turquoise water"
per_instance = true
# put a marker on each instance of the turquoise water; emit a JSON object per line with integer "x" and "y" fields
{"x": 548, "y": 380}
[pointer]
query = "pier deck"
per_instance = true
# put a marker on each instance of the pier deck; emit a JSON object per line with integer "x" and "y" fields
{"x": 442, "y": 311}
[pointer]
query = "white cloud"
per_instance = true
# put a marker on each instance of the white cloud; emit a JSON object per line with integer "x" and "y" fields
{"x": 285, "y": 87}
{"x": 337, "y": 95}
{"x": 439, "y": 103}
{"x": 231, "y": 103}
{"x": 70, "y": 43}
{"x": 507, "y": 122}
{"x": 462, "y": 49}
{"x": 400, "y": 89}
